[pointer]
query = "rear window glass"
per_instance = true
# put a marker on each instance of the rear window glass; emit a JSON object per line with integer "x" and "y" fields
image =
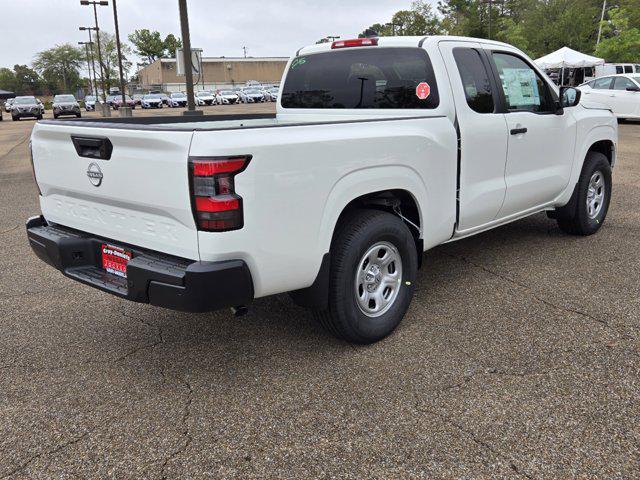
{"x": 364, "y": 78}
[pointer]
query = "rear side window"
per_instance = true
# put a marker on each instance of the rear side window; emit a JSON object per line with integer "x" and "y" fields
{"x": 475, "y": 80}
{"x": 366, "y": 78}
{"x": 628, "y": 69}
{"x": 603, "y": 83}
{"x": 622, "y": 83}
{"x": 619, "y": 69}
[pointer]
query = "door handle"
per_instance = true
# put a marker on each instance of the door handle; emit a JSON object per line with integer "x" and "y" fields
{"x": 518, "y": 131}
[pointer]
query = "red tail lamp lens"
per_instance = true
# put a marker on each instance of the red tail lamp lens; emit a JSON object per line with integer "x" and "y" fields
{"x": 216, "y": 206}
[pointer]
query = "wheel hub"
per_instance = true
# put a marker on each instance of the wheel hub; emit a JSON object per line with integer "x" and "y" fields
{"x": 595, "y": 194}
{"x": 378, "y": 278}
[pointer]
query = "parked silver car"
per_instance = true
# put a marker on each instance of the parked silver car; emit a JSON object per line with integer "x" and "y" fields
{"x": 152, "y": 100}
{"x": 27, "y": 106}
{"x": 66, "y": 105}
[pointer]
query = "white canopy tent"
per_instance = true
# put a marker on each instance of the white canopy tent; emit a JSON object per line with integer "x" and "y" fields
{"x": 568, "y": 58}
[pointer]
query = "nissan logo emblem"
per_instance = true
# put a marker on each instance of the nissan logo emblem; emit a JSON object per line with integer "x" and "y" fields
{"x": 95, "y": 174}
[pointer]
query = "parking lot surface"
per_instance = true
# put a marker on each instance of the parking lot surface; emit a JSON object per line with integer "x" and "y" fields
{"x": 519, "y": 358}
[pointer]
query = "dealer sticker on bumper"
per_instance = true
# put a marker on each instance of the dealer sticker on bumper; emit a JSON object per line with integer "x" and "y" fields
{"x": 115, "y": 259}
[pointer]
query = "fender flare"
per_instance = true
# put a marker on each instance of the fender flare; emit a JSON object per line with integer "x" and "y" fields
{"x": 366, "y": 181}
{"x": 593, "y": 136}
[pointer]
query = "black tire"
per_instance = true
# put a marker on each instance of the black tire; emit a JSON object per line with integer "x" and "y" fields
{"x": 574, "y": 218}
{"x": 39, "y": 117}
{"x": 78, "y": 115}
{"x": 355, "y": 235}
{"x": 15, "y": 119}
{"x": 55, "y": 116}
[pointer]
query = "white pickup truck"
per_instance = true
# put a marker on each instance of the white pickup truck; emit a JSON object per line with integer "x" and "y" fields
{"x": 381, "y": 149}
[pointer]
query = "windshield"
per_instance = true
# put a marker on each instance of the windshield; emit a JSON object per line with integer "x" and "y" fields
{"x": 178, "y": 95}
{"x": 64, "y": 98}
{"x": 253, "y": 91}
{"x": 153, "y": 96}
{"x": 637, "y": 79}
{"x": 227, "y": 92}
{"x": 89, "y": 98}
{"x": 24, "y": 100}
{"x": 127, "y": 98}
{"x": 203, "y": 94}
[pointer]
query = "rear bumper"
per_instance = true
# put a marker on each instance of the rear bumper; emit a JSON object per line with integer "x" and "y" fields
{"x": 154, "y": 278}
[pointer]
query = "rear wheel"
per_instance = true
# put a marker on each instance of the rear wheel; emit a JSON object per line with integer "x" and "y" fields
{"x": 586, "y": 211}
{"x": 373, "y": 267}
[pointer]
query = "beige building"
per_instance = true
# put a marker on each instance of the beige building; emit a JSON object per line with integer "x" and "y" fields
{"x": 217, "y": 73}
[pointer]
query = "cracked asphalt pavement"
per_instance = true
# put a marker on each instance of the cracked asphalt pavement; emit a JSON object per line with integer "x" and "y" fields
{"x": 519, "y": 358}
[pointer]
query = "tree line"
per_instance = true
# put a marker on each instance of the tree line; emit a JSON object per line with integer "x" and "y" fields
{"x": 537, "y": 27}
{"x": 60, "y": 69}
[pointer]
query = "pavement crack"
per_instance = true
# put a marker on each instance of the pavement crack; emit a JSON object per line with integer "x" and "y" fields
{"x": 534, "y": 294}
{"x": 9, "y": 230}
{"x": 478, "y": 441}
{"x": 12, "y": 149}
{"x": 159, "y": 337}
{"x": 185, "y": 432}
{"x": 47, "y": 453}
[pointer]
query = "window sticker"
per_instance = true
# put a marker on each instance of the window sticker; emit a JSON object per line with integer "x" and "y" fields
{"x": 520, "y": 86}
{"x": 298, "y": 62}
{"x": 423, "y": 90}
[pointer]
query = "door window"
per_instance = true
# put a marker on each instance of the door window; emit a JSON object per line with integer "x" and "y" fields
{"x": 603, "y": 83}
{"x": 475, "y": 80}
{"x": 619, "y": 70}
{"x": 628, "y": 69}
{"x": 524, "y": 89}
{"x": 621, "y": 83}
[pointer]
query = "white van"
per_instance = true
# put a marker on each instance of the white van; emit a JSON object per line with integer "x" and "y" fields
{"x": 616, "y": 69}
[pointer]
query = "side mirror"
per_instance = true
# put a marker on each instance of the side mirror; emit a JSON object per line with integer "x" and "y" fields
{"x": 633, "y": 89}
{"x": 569, "y": 97}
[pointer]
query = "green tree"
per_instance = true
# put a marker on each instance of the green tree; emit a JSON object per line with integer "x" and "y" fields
{"x": 148, "y": 45}
{"x": 420, "y": 20}
{"x": 171, "y": 44}
{"x": 7, "y": 80}
{"x": 27, "y": 80}
{"x": 622, "y": 42}
{"x": 60, "y": 67}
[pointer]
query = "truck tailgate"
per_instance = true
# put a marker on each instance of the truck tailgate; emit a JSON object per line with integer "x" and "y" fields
{"x": 139, "y": 196}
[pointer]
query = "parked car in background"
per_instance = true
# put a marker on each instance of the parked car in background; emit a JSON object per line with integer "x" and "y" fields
{"x": 90, "y": 103}
{"x": 227, "y": 97}
{"x": 178, "y": 99}
{"x": 66, "y": 105}
{"x": 152, "y": 100}
{"x": 242, "y": 98}
{"x": 165, "y": 99}
{"x": 138, "y": 98}
{"x": 117, "y": 103}
{"x": 254, "y": 95}
{"x": 205, "y": 97}
{"x": 110, "y": 99}
{"x": 7, "y": 104}
{"x": 619, "y": 93}
{"x": 273, "y": 94}
{"x": 26, "y": 107}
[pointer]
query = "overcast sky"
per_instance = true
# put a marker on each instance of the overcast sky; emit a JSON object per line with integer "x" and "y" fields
{"x": 265, "y": 27}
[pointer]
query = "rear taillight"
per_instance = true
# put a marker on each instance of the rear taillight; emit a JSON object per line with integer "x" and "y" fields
{"x": 216, "y": 206}
{"x": 356, "y": 42}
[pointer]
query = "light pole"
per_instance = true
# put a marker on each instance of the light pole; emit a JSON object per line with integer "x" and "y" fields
{"x": 188, "y": 68}
{"x": 95, "y": 3}
{"x": 125, "y": 110}
{"x": 92, "y": 82}
{"x": 490, "y": 3}
{"x": 93, "y": 64}
{"x": 604, "y": 9}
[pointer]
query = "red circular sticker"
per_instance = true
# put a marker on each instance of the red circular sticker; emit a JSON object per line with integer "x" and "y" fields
{"x": 423, "y": 91}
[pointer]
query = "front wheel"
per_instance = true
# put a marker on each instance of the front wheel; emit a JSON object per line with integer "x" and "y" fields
{"x": 586, "y": 211}
{"x": 373, "y": 267}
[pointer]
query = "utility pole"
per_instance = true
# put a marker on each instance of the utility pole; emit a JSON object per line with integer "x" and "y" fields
{"x": 86, "y": 52}
{"x": 105, "y": 108}
{"x": 188, "y": 61}
{"x": 244, "y": 49}
{"x": 125, "y": 110}
{"x": 490, "y": 3}
{"x": 604, "y": 8}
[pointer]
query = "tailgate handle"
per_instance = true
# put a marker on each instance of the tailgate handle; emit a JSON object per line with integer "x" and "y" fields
{"x": 93, "y": 147}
